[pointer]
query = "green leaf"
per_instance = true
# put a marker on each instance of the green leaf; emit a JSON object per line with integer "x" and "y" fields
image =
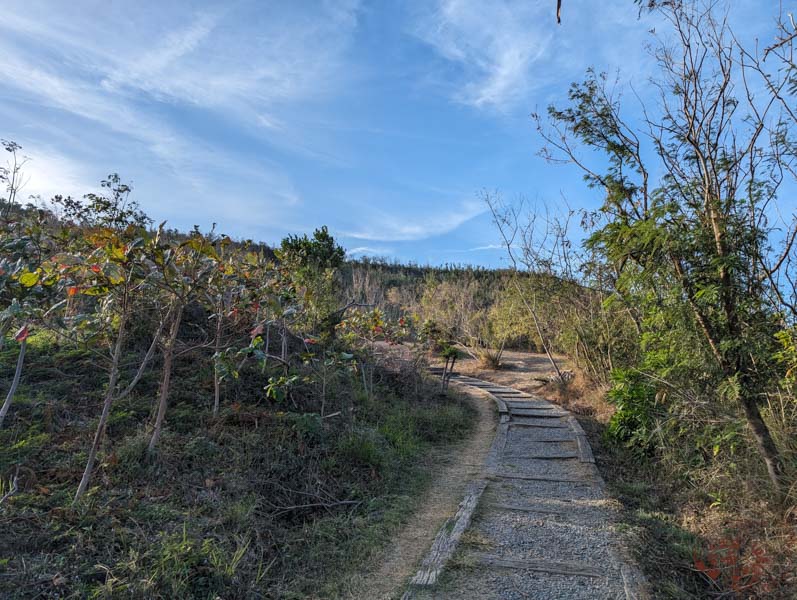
{"x": 29, "y": 278}
{"x": 114, "y": 273}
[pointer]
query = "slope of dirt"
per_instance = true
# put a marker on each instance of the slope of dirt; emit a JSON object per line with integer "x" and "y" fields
{"x": 519, "y": 370}
{"x": 453, "y": 469}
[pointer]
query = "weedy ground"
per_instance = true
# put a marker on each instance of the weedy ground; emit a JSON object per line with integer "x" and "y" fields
{"x": 264, "y": 501}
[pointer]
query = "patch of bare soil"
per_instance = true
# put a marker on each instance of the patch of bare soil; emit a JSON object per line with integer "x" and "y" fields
{"x": 520, "y": 370}
{"x": 453, "y": 468}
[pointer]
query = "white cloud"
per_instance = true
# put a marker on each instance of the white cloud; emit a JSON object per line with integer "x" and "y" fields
{"x": 47, "y": 173}
{"x": 133, "y": 69}
{"x": 487, "y": 247}
{"x": 504, "y": 51}
{"x": 494, "y": 43}
{"x": 384, "y": 226}
{"x": 245, "y": 57}
{"x": 367, "y": 250}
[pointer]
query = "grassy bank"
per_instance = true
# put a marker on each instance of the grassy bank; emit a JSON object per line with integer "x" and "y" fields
{"x": 262, "y": 501}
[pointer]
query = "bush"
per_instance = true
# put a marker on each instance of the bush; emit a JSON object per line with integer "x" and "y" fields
{"x": 634, "y": 421}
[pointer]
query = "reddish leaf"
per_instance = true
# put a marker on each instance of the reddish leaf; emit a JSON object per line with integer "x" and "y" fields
{"x": 22, "y": 334}
{"x": 713, "y": 574}
{"x": 71, "y": 291}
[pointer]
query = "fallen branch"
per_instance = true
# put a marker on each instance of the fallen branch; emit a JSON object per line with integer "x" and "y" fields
{"x": 14, "y": 487}
{"x": 285, "y": 509}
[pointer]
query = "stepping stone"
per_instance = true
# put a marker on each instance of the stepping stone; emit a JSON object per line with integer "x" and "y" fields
{"x": 549, "y": 425}
{"x": 531, "y": 405}
{"x": 529, "y": 509}
{"x": 554, "y": 479}
{"x": 541, "y": 413}
{"x": 541, "y": 456}
{"x": 572, "y": 568}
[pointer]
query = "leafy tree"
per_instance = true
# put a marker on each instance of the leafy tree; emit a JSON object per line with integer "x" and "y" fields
{"x": 312, "y": 266}
{"x": 108, "y": 264}
{"x": 702, "y": 227}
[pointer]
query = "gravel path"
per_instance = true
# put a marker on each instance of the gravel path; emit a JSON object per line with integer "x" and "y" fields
{"x": 543, "y": 527}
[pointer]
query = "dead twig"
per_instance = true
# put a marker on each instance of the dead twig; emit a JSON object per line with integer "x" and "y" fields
{"x": 14, "y": 487}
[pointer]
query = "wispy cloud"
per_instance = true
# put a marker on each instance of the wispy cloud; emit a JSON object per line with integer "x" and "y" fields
{"x": 487, "y": 247}
{"x": 504, "y": 51}
{"x": 495, "y": 45}
{"x": 47, "y": 172}
{"x": 384, "y": 226}
{"x": 369, "y": 251}
{"x": 119, "y": 78}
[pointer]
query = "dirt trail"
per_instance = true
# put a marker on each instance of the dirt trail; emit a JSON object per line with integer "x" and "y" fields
{"x": 454, "y": 468}
{"x": 543, "y": 527}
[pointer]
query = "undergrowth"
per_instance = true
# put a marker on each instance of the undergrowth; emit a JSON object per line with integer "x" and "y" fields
{"x": 261, "y": 502}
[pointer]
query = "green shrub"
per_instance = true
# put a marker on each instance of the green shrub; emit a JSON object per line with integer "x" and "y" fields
{"x": 635, "y": 419}
{"x": 131, "y": 455}
{"x": 177, "y": 566}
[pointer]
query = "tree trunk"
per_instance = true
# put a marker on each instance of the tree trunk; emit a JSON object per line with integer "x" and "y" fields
{"x": 142, "y": 367}
{"x": 536, "y": 321}
{"x": 216, "y": 376}
{"x": 106, "y": 411}
{"x": 168, "y": 356}
{"x": 13, "y": 389}
{"x": 764, "y": 442}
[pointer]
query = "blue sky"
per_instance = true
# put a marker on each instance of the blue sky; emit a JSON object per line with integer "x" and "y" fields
{"x": 383, "y": 120}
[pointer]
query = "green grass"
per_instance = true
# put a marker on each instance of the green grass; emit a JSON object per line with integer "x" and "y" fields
{"x": 285, "y": 505}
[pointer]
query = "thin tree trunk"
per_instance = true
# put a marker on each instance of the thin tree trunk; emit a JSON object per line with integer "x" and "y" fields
{"x": 450, "y": 372}
{"x": 106, "y": 410}
{"x": 764, "y": 442}
{"x": 445, "y": 372}
{"x": 216, "y": 377}
{"x": 15, "y": 383}
{"x": 268, "y": 342}
{"x": 142, "y": 367}
{"x": 168, "y": 356}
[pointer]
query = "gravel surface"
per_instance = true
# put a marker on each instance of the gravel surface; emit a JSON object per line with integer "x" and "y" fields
{"x": 534, "y": 538}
